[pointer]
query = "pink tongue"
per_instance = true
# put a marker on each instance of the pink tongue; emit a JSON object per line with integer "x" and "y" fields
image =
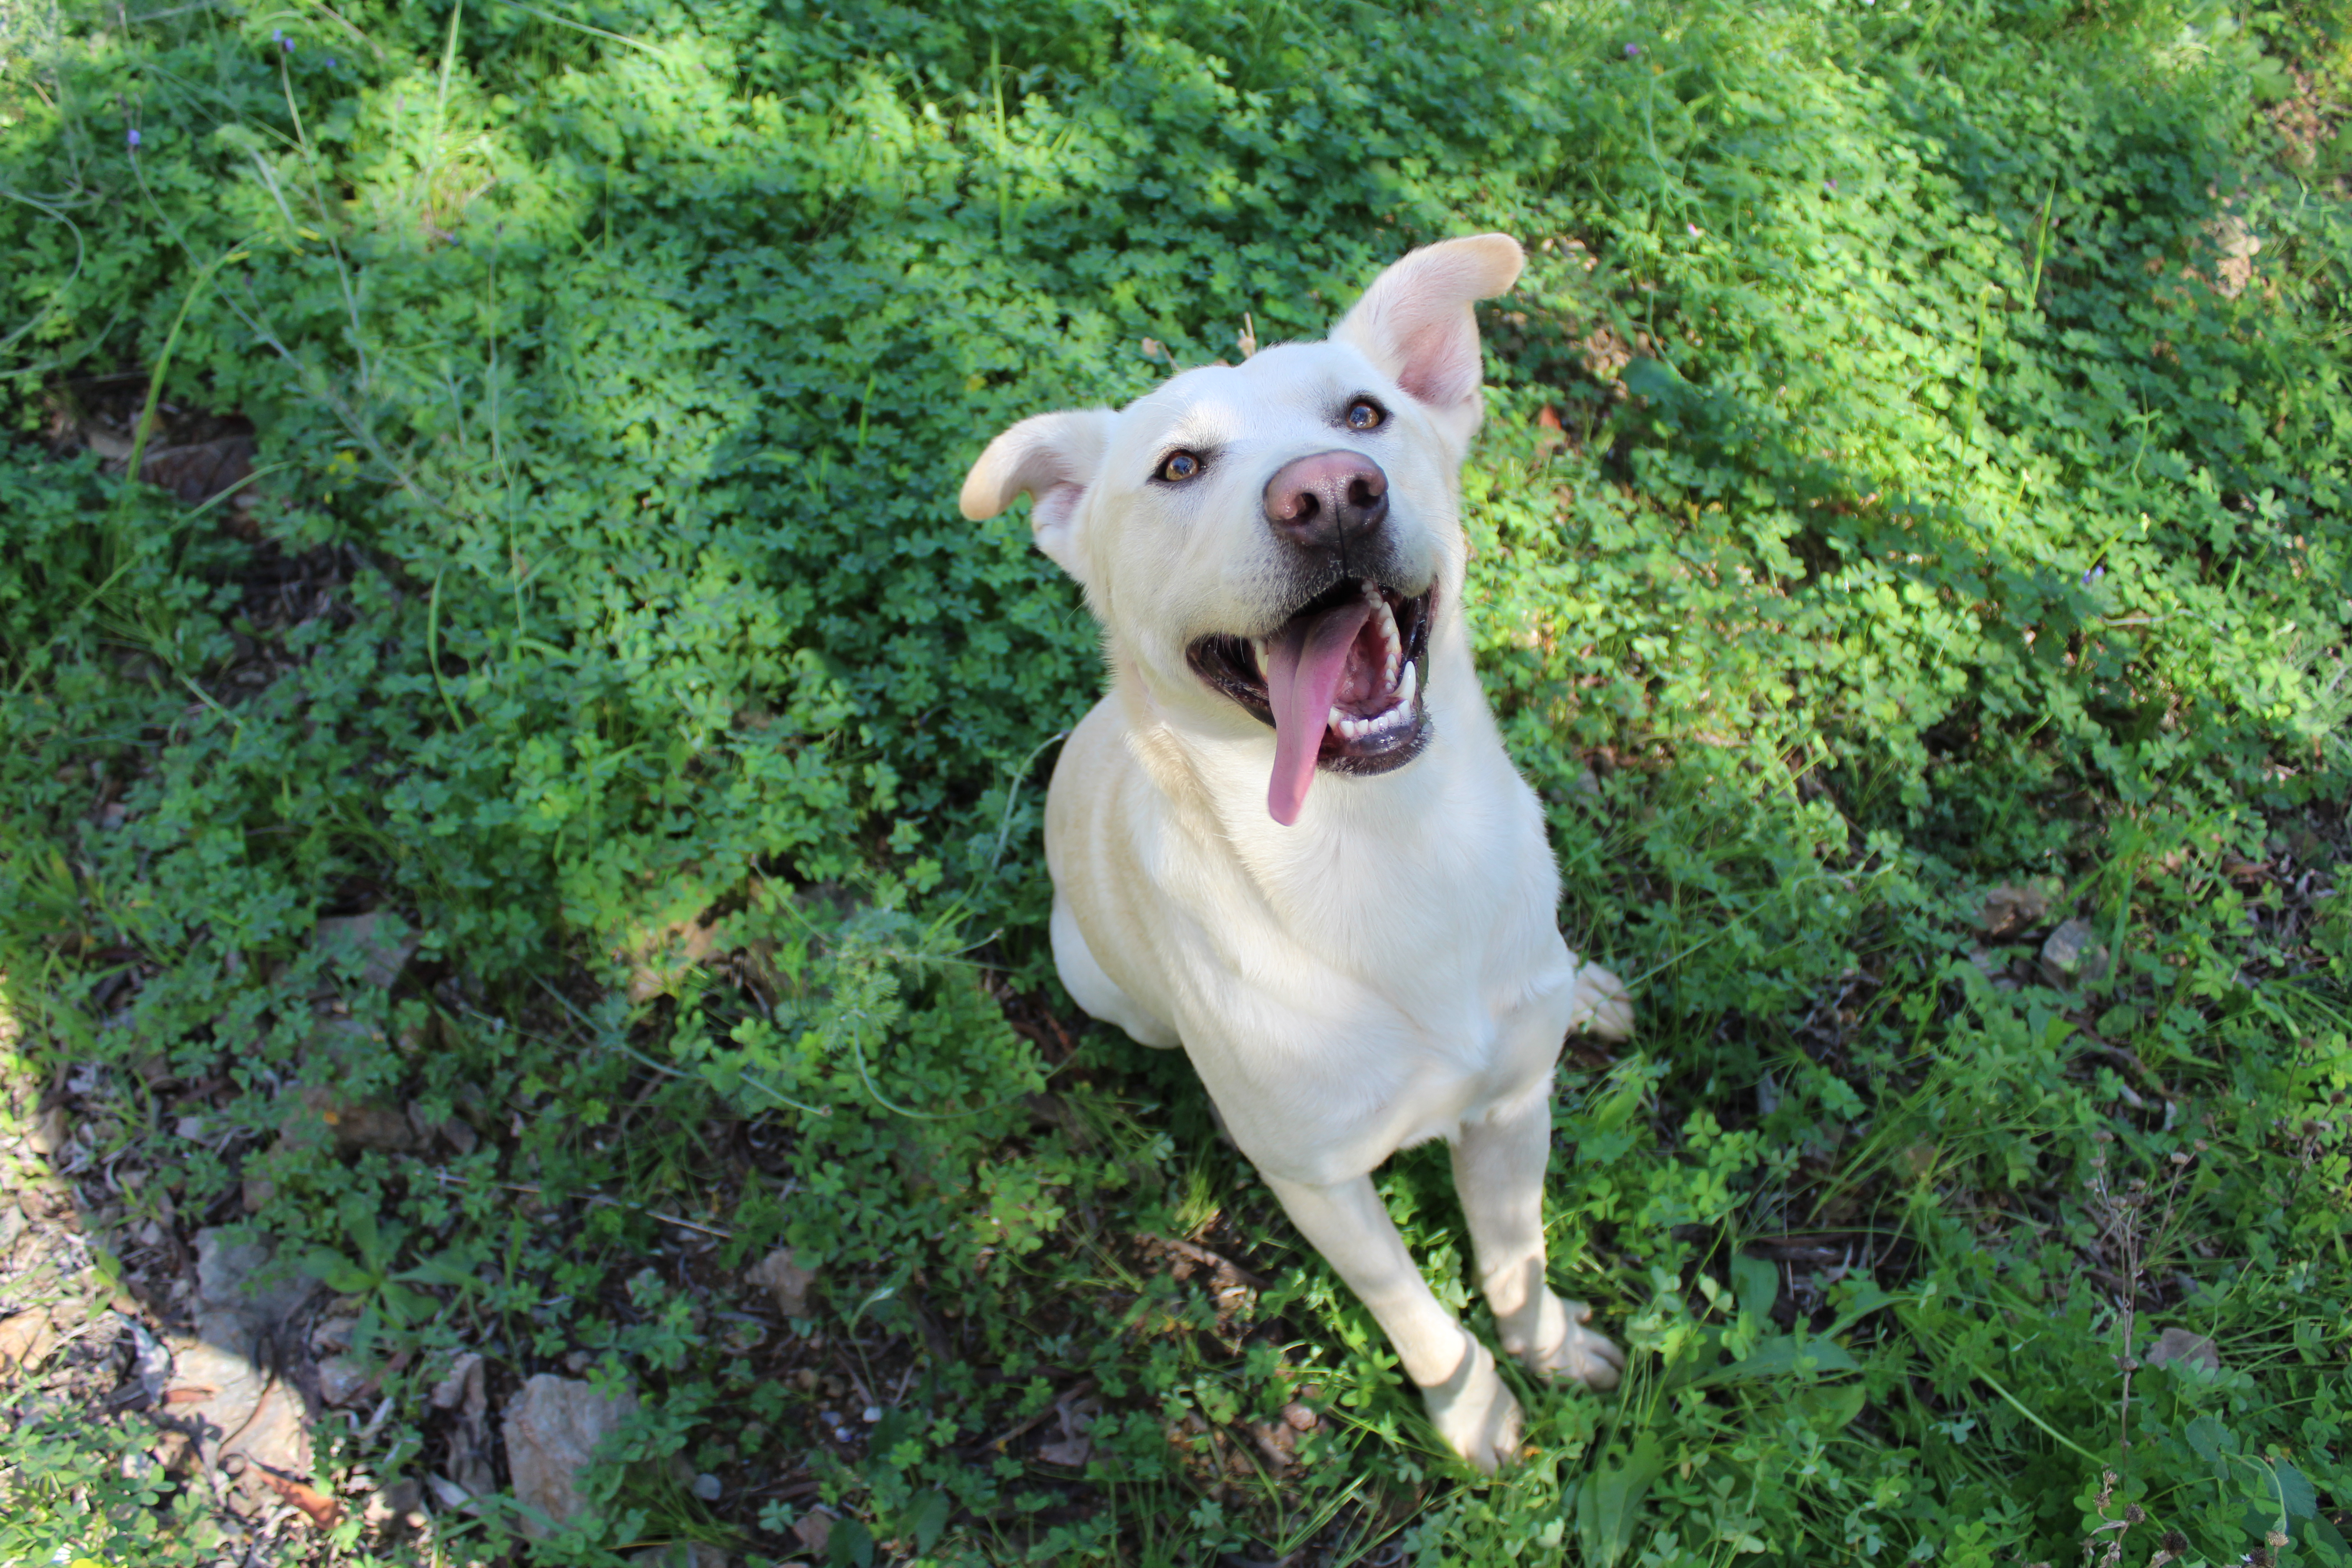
{"x": 1303, "y": 666}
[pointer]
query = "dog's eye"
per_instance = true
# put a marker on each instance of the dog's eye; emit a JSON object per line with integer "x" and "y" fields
{"x": 1365, "y": 415}
{"x": 1178, "y": 467}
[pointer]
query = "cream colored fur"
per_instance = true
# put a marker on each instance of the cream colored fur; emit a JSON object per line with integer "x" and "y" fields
{"x": 1387, "y": 969}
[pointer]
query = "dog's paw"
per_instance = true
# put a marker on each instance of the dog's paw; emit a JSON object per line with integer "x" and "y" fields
{"x": 1475, "y": 1414}
{"x": 1591, "y": 1359}
{"x": 1602, "y": 1004}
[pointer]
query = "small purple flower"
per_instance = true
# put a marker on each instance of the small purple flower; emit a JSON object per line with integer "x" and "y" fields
{"x": 331, "y": 62}
{"x": 1632, "y": 51}
{"x": 1830, "y": 185}
{"x": 132, "y": 136}
{"x": 2092, "y": 575}
{"x": 1694, "y": 230}
{"x": 278, "y": 35}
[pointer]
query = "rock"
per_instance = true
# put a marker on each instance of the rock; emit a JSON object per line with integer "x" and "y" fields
{"x": 459, "y": 1136}
{"x": 707, "y": 1488}
{"x": 341, "y": 1382}
{"x": 377, "y": 942}
{"x": 220, "y": 1397}
{"x": 464, "y": 1384}
{"x": 390, "y": 1508}
{"x": 150, "y": 1362}
{"x": 2008, "y": 910}
{"x": 2189, "y": 1350}
{"x": 681, "y": 1555}
{"x": 228, "y": 1408}
{"x": 553, "y": 1428}
{"x": 1073, "y": 1452}
{"x": 782, "y": 1274}
{"x": 353, "y": 1125}
{"x": 225, "y": 1273}
{"x": 464, "y": 1392}
{"x": 2070, "y": 952}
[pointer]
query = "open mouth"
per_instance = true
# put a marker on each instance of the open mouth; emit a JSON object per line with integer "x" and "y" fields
{"x": 1340, "y": 681}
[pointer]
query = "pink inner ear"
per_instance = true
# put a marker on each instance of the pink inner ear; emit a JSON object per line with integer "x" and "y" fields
{"x": 1441, "y": 364}
{"x": 1055, "y": 507}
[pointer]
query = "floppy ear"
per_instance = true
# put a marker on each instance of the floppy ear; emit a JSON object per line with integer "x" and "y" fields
{"x": 1415, "y": 323}
{"x": 1054, "y": 457}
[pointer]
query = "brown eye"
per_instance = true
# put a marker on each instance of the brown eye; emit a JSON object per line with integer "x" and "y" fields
{"x": 1365, "y": 415}
{"x": 1178, "y": 466}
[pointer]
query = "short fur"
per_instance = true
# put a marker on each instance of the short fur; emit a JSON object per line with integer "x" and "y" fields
{"x": 1388, "y": 969}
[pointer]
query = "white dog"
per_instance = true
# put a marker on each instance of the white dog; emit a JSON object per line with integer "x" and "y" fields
{"x": 1288, "y": 838}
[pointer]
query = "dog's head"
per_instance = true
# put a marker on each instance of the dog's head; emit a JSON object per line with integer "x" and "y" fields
{"x": 1275, "y": 543}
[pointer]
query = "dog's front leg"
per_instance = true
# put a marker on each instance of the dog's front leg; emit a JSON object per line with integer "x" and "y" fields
{"x": 1348, "y": 1224}
{"x": 1499, "y": 1173}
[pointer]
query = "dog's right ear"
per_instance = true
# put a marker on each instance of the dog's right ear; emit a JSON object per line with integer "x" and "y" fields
{"x": 1054, "y": 457}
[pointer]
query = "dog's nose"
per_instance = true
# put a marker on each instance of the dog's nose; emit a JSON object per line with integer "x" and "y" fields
{"x": 1328, "y": 500}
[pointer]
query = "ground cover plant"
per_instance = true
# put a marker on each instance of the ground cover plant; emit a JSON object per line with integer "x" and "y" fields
{"x": 521, "y": 793}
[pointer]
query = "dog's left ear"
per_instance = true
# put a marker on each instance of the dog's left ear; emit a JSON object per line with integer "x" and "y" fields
{"x": 1054, "y": 457}
{"x": 1415, "y": 323}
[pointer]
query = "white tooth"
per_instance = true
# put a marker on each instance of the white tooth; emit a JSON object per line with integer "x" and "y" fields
{"x": 1407, "y": 686}
{"x": 1257, "y": 649}
{"x": 1337, "y": 717}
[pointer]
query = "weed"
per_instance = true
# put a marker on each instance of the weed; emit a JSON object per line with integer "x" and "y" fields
{"x": 1910, "y": 564}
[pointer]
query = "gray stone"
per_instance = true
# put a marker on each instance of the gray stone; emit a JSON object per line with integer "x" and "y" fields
{"x": 369, "y": 938}
{"x": 2063, "y": 948}
{"x": 553, "y": 1428}
{"x": 2189, "y": 1350}
{"x": 225, "y": 1291}
{"x": 342, "y": 1383}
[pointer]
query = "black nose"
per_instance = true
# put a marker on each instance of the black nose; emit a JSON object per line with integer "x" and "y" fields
{"x": 1333, "y": 501}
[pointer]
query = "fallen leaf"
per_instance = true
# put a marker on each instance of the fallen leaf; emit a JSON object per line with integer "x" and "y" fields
{"x": 781, "y": 1273}
{"x": 322, "y": 1509}
{"x": 25, "y": 1339}
{"x": 814, "y": 1529}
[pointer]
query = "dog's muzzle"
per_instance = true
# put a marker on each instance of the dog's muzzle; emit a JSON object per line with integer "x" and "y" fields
{"x": 1339, "y": 680}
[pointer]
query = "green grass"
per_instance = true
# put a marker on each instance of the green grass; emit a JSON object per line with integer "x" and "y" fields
{"x": 1906, "y": 478}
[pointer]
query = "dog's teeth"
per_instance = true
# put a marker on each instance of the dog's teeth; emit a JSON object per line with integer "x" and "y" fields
{"x": 1406, "y": 687}
{"x": 1257, "y": 650}
{"x": 1337, "y": 717}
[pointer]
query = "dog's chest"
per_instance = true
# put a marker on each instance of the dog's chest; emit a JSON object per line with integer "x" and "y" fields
{"x": 1409, "y": 958}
